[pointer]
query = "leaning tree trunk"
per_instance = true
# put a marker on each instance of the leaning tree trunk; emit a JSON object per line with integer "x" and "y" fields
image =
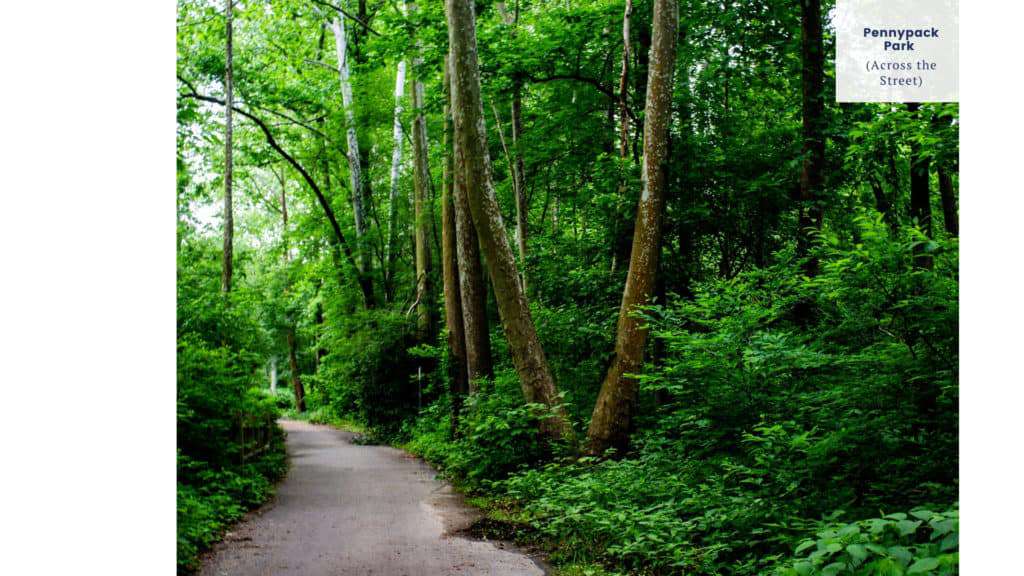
{"x": 949, "y": 214}
{"x": 396, "y": 165}
{"x": 812, "y": 86}
{"x": 612, "y": 418}
{"x": 227, "y": 265}
{"x": 457, "y": 374}
{"x": 356, "y": 179}
{"x": 471, "y": 135}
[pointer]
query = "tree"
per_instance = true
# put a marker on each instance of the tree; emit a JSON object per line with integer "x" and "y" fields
{"x": 423, "y": 218}
{"x": 472, "y": 290}
{"x": 813, "y": 107}
{"x": 471, "y": 134}
{"x": 611, "y": 421}
{"x": 457, "y": 374}
{"x": 948, "y": 196}
{"x": 358, "y": 183}
{"x": 229, "y": 213}
{"x": 396, "y": 165}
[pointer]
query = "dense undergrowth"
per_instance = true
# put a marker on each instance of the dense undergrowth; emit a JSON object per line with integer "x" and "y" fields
{"x": 770, "y": 442}
{"x": 230, "y": 450}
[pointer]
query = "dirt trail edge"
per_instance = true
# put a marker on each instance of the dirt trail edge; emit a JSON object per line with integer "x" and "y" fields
{"x": 354, "y": 510}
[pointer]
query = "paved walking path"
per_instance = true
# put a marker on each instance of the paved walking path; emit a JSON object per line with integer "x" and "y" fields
{"x": 346, "y": 509}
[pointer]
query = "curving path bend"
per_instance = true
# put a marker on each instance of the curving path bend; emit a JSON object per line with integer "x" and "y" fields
{"x": 350, "y": 510}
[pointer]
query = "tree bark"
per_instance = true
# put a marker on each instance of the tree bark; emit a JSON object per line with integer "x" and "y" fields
{"x": 624, "y": 80}
{"x": 457, "y": 373}
{"x": 227, "y": 266}
{"x": 920, "y": 193}
{"x": 396, "y": 165}
{"x": 424, "y": 220}
{"x": 519, "y": 182}
{"x": 293, "y": 364}
{"x": 882, "y": 203}
{"x": 812, "y": 174}
{"x": 623, "y": 119}
{"x": 471, "y": 135}
{"x": 949, "y": 213}
{"x": 611, "y": 422}
{"x": 472, "y": 289}
{"x": 356, "y": 181}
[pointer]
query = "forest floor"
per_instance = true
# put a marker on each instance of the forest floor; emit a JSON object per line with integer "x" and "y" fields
{"x": 349, "y": 509}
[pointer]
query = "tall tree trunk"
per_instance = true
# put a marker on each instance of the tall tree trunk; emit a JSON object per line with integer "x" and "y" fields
{"x": 424, "y": 218}
{"x": 471, "y": 134}
{"x": 458, "y": 376}
{"x": 611, "y": 421}
{"x": 812, "y": 85}
{"x": 472, "y": 289}
{"x": 293, "y": 364}
{"x": 920, "y": 193}
{"x": 355, "y": 161}
{"x": 882, "y": 202}
{"x": 624, "y": 80}
{"x": 227, "y": 266}
{"x": 273, "y": 373}
{"x": 519, "y": 181}
{"x": 516, "y": 162}
{"x": 300, "y": 394}
{"x": 949, "y": 213}
{"x": 396, "y": 166}
{"x": 627, "y": 15}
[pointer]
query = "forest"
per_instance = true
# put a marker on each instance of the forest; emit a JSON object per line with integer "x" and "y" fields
{"x": 622, "y": 271}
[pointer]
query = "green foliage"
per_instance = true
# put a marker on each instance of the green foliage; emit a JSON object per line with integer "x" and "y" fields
{"x": 923, "y": 542}
{"x": 757, "y": 423}
{"x": 773, "y": 403}
{"x": 368, "y": 372}
{"x": 211, "y": 499}
{"x": 498, "y": 434}
{"x": 230, "y": 450}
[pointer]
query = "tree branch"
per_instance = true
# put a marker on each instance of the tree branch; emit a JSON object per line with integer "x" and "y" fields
{"x": 347, "y": 15}
{"x": 339, "y": 237}
{"x": 578, "y": 78}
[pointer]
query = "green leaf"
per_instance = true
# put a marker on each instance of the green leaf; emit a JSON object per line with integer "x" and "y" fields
{"x": 907, "y": 527}
{"x": 950, "y": 542}
{"x": 923, "y": 566}
{"x": 804, "y": 546}
{"x": 803, "y": 568}
{"x": 900, "y": 554}
{"x": 857, "y": 552}
{"x": 833, "y": 569}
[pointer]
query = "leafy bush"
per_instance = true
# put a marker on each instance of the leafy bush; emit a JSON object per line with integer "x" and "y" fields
{"x": 367, "y": 370}
{"x": 757, "y": 421}
{"x": 498, "y": 434}
{"x": 211, "y": 499}
{"x": 924, "y": 542}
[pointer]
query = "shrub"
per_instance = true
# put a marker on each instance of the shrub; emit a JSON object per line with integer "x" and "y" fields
{"x": 923, "y": 542}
